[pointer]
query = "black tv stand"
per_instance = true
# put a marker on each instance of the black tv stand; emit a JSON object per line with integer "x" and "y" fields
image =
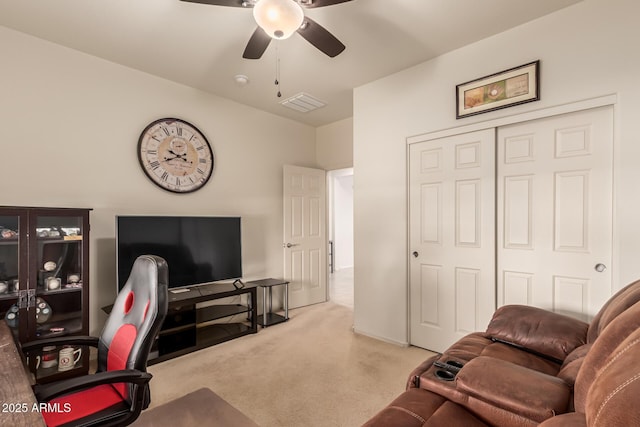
{"x": 191, "y": 325}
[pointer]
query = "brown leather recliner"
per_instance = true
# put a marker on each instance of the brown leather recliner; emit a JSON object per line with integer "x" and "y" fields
{"x": 520, "y": 372}
{"x": 607, "y": 387}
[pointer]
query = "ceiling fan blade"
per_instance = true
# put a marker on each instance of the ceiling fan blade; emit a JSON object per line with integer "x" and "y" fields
{"x": 258, "y": 43}
{"x": 318, "y": 36}
{"x": 230, "y": 3}
{"x": 322, "y": 3}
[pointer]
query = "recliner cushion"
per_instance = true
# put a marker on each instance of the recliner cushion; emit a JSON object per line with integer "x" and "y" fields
{"x": 618, "y": 303}
{"x": 545, "y": 332}
{"x": 420, "y": 408}
{"x": 612, "y": 398}
{"x": 617, "y": 331}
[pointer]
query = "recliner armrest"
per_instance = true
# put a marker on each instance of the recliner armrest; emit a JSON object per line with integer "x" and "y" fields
{"x": 496, "y": 387}
{"x": 541, "y": 331}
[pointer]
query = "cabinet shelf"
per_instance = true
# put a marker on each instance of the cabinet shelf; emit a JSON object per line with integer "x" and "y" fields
{"x": 42, "y": 292}
{"x": 71, "y": 322}
{"x": 63, "y": 239}
{"x": 10, "y": 295}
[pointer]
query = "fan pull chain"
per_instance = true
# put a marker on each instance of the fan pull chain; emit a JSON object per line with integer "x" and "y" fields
{"x": 277, "y": 81}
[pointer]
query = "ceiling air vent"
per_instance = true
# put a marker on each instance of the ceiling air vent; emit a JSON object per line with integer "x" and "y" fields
{"x": 303, "y": 102}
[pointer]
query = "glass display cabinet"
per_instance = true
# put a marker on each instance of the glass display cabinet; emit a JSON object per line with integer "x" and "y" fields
{"x": 44, "y": 284}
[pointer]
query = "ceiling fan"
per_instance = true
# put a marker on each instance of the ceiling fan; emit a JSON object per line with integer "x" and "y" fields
{"x": 279, "y": 19}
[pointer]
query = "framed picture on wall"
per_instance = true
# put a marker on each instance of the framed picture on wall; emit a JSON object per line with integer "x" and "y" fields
{"x": 500, "y": 90}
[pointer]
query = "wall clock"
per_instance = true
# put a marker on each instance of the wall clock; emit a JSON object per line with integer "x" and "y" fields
{"x": 175, "y": 155}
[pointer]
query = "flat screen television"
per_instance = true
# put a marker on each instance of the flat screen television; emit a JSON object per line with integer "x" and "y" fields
{"x": 197, "y": 249}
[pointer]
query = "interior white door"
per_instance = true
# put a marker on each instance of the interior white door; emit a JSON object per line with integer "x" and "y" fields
{"x": 452, "y": 237}
{"x": 555, "y": 212}
{"x": 305, "y": 240}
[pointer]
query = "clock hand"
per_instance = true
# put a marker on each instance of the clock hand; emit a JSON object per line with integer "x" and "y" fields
{"x": 177, "y": 156}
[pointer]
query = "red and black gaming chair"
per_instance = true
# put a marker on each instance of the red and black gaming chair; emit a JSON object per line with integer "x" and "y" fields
{"x": 119, "y": 390}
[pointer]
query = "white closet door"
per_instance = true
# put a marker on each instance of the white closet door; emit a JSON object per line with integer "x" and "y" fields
{"x": 452, "y": 237}
{"x": 554, "y": 212}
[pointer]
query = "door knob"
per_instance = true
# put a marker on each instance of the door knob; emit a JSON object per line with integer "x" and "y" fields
{"x": 415, "y": 254}
{"x": 288, "y": 245}
{"x": 600, "y": 267}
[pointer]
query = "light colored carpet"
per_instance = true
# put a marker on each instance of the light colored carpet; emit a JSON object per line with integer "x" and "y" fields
{"x": 312, "y": 371}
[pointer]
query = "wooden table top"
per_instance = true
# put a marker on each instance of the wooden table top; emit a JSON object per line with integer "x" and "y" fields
{"x": 18, "y": 405}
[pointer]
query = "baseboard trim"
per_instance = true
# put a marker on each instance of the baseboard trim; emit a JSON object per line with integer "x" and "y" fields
{"x": 379, "y": 338}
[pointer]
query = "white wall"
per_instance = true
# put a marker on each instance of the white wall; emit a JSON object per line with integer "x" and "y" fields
{"x": 334, "y": 148}
{"x": 70, "y": 127}
{"x": 343, "y": 220}
{"x": 587, "y": 50}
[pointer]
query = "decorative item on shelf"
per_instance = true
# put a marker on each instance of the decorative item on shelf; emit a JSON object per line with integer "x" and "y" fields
{"x": 53, "y": 283}
{"x": 15, "y": 285}
{"x": 43, "y": 311}
{"x": 50, "y": 232}
{"x": 7, "y": 233}
{"x": 50, "y": 266}
{"x": 71, "y": 231}
{"x": 49, "y": 357}
{"x": 4, "y": 287}
{"x": 11, "y": 316}
{"x": 68, "y": 358}
{"x": 73, "y": 281}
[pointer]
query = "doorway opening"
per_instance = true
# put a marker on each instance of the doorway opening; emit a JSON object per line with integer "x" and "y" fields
{"x": 340, "y": 191}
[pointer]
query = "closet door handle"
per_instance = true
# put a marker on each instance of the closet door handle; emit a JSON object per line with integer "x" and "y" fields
{"x": 415, "y": 254}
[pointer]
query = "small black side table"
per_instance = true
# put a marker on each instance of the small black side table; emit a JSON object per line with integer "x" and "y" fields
{"x": 269, "y": 318}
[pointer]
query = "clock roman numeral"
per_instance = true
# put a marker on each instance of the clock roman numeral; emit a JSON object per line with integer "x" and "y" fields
{"x": 179, "y": 131}
{"x": 154, "y": 165}
{"x": 152, "y": 152}
{"x": 156, "y": 138}
{"x": 200, "y": 147}
{"x": 166, "y": 131}
{"x": 202, "y": 160}
{"x": 164, "y": 176}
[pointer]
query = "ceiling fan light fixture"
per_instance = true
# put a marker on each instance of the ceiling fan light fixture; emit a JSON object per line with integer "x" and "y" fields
{"x": 278, "y": 18}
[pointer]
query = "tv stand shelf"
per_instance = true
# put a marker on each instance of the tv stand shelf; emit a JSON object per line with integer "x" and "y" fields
{"x": 189, "y": 326}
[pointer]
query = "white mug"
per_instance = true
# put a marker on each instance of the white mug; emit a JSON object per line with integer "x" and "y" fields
{"x": 48, "y": 358}
{"x": 67, "y": 358}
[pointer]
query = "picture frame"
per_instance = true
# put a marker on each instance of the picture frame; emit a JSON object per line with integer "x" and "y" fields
{"x": 504, "y": 89}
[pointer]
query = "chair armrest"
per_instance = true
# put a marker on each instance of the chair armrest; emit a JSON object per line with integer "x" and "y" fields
{"x": 541, "y": 331}
{"x": 66, "y": 340}
{"x": 495, "y": 387}
{"x": 47, "y": 392}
